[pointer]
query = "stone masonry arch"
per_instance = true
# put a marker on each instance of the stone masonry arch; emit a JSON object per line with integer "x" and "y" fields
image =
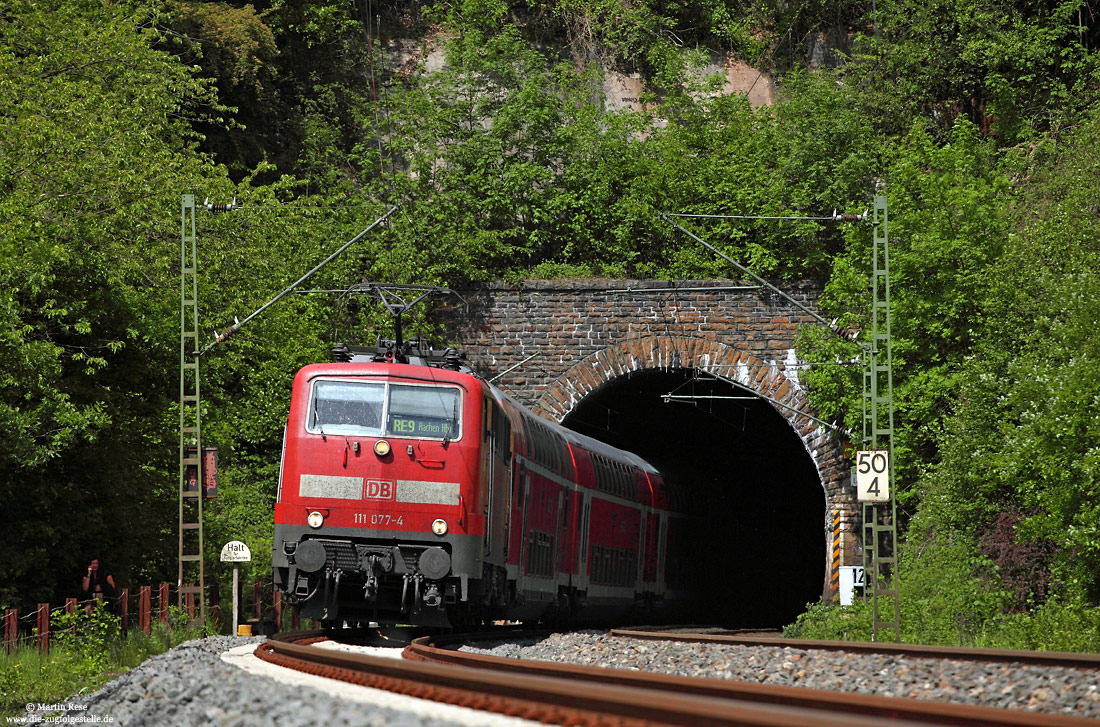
{"x": 781, "y": 388}
{"x": 552, "y": 343}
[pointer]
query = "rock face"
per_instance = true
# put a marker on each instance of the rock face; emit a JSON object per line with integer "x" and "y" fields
{"x": 754, "y": 83}
{"x": 741, "y": 78}
{"x": 828, "y": 48}
{"x": 621, "y": 90}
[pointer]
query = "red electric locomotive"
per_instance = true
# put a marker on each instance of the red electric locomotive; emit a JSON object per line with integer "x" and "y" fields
{"x": 416, "y": 492}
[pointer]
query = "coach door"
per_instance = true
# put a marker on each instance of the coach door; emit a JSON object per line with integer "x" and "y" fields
{"x": 662, "y": 547}
{"x": 563, "y": 536}
{"x": 521, "y": 483}
{"x": 498, "y": 431}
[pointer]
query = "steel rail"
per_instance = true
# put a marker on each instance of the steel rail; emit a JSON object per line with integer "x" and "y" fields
{"x": 576, "y": 695}
{"x": 850, "y": 705}
{"x": 962, "y": 653}
{"x": 548, "y": 699}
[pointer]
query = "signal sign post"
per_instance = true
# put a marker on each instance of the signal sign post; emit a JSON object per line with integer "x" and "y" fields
{"x": 236, "y": 552}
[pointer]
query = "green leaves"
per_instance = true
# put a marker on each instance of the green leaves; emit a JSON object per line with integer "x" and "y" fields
{"x": 514, "y": 162}
{"x": 1025, "y": 433}
{"x": 949, "y": 207}
{"x": 1011, "y": 69}
{"x": 509, "y": 162}
{"x": 93, "y": 134}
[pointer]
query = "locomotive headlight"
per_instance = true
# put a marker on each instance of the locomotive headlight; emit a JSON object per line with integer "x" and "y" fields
{"x": 315, "y": 519}
{"x": 439, "y": 526}
{"x": 381, "y": 447}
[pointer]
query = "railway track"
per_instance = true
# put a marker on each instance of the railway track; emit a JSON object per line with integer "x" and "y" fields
{"x": 582, "y": 696}
{"x": 1036, "y": 658}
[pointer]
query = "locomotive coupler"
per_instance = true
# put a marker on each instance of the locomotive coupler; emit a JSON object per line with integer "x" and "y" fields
{"x": 301, "y": 592}
{"x": 370, "y": 587}
{"x": 432, "y": 597}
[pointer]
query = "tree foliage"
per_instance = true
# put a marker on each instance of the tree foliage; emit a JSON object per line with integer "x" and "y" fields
{"x": 1011, "y": 69}
{"x": 96, "y": 128}
{"x": 1025, "y": 434}
{"x": 487, "y": 121}
{"x": 237, "y": 50}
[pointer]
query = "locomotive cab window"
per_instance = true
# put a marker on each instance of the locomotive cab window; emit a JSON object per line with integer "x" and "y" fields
{"x": 424, "y": 412}
{"x": 374, "y": 409}
{"x": 346, "y": 407}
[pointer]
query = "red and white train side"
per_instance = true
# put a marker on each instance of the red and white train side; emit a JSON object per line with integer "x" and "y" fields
{"x": 419, "y": 494}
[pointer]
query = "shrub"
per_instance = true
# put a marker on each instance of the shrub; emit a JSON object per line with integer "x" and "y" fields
{"x": 1023, "y": 565}
{"x": 87, "y": 649}
{"x": 86, "y": 637}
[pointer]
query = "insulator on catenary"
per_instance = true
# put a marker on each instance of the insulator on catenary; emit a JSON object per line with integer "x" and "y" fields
{"x": 212, "y": 207}
{"x": 849, "y": 218}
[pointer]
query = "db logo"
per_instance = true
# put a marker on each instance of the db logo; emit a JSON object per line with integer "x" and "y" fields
{"x": 379, "y": 490}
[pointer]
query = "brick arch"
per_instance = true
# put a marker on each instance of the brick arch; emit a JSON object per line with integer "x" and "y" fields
{"x": 727, "y": 362}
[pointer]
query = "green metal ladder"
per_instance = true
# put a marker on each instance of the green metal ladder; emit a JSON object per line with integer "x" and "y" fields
{"x": 192, "y": 579}
{"x": 880, "y": 534}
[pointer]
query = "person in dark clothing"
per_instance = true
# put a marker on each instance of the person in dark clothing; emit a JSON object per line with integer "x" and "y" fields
{"x": 98, "y": 580}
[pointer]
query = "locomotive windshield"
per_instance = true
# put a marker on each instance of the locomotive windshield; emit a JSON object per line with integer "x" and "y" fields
{"x": 362, "y": 408}
{"x": 347, "y": 407}
{"x": 423, "y": 411}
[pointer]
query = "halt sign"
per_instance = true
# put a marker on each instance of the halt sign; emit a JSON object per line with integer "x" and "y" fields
{"x": 873, "y": 475}
{"x": 235, "y": 552}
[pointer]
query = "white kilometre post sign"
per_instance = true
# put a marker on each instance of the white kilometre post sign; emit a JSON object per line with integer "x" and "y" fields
{"x": 851, "y": 578}
{"x": 873, "y": 475}
{"x": 235, "y": 552}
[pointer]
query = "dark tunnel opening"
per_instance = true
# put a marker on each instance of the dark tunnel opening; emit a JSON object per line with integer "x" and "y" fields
{"x": 761, "y": 545}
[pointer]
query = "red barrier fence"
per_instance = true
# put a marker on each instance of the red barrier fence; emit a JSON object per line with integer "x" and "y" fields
{"x": 43, "y": 627}
{"x": 216, "y": 606}
{"x": 265, "y": 610}
{"x": 70, "y": 608}
{"x": 124, "y": 608}
{"x": 163, "y": 604}
{"x": 145, "y": 612}
{"x": 11, "y": 629}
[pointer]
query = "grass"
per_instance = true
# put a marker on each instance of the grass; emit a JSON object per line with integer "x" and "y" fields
{"x": 86, "y": 652}
{"x": 951, "y": 595}
{"x": 1057, "y": 625}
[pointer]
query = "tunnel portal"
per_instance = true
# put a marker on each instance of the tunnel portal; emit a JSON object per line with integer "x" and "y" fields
{"x": 590, "y": 352}
{"x": 760, "y": 548}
